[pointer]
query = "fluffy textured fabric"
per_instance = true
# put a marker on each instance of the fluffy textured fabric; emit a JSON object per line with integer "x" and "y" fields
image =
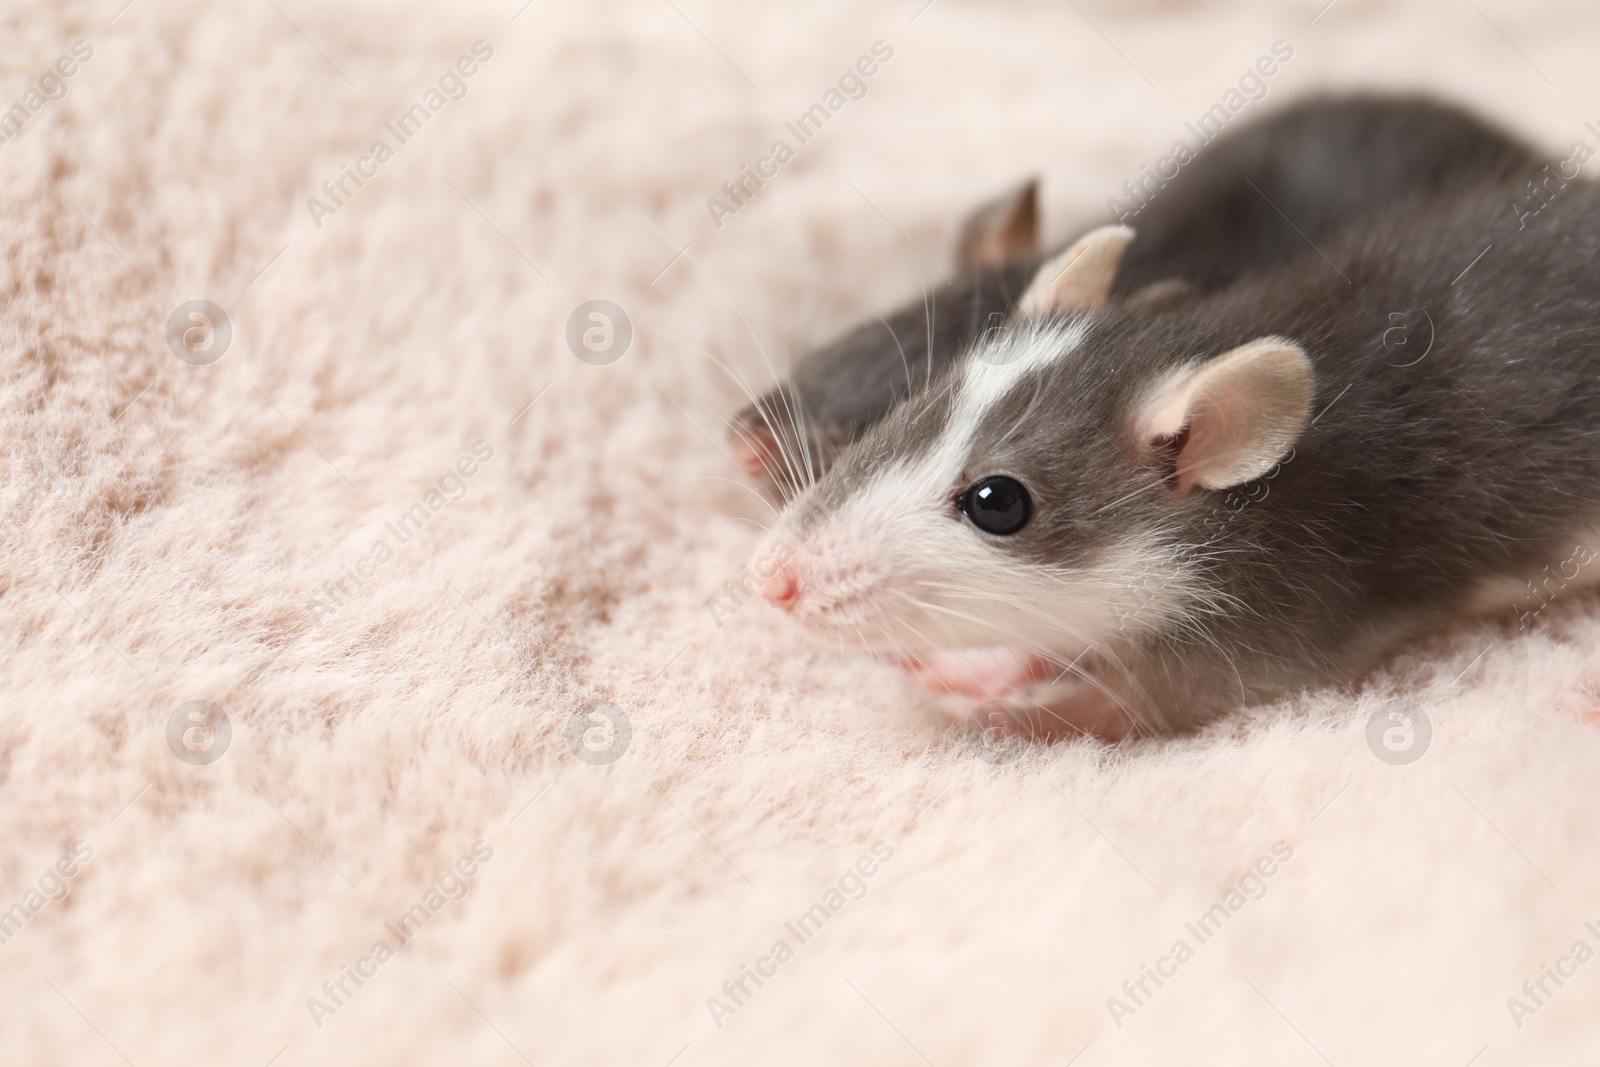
{"x": 171, "y": 533}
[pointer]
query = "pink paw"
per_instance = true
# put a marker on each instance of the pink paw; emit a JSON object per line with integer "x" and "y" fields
{"x": 977, "y": 674}
{"x": 1003, "y": 693}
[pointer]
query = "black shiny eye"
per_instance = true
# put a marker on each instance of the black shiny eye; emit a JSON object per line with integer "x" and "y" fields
{"x": 996, "y": 504}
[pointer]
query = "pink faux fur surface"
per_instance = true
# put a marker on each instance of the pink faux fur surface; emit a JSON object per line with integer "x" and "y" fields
{"x": 169, "y": 532}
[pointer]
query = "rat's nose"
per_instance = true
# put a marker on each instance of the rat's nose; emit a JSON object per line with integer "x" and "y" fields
{"x": 781, "y": 590}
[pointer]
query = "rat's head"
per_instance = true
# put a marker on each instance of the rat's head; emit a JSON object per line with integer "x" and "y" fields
{"x": 1042, "y": 495}
{"x": 794, "y": 430}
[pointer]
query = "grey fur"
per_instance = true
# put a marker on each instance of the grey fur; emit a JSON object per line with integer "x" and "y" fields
{"x": 1330, "y": 164}
{"x": 1416, "y": 481}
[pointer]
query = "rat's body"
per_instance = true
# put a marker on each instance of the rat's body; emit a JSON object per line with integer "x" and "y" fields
{"x": 1239, "y": 494}
{"x": 1330, "y": 165}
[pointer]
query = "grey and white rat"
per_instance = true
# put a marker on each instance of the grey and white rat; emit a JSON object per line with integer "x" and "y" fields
{"x": 1329, "y": 164}
{"x": 1068, "y": 492}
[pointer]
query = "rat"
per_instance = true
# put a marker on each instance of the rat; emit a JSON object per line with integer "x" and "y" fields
{"x": 1152, "y": 516}
{"x": 1327, "y": 163}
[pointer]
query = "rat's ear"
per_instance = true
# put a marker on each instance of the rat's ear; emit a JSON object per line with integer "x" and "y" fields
{"x": 1080, "y": 277}
{"x": 1229, "y": 420}
{"x": 1001, "y": 229}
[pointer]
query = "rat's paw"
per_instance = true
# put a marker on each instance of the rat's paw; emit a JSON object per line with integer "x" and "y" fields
{"x": 1002, "y": 693}
{"x": 973, "y": 676}
{"x": 1053, "y": 709}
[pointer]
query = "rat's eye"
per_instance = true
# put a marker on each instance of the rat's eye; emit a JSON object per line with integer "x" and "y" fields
{"x": 996, "y": 504}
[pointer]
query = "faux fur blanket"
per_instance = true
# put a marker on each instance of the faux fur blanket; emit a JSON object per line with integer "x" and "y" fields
{"x": 363, "y": 701}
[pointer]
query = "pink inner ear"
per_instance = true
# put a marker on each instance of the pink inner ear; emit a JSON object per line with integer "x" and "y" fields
{"x": 1229, "y": 421}
{"x": 1215, "y": 431}
{"x": 1167, "y": 448}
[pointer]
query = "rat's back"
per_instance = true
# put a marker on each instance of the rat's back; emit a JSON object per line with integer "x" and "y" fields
{"x": 1452, "y": 460}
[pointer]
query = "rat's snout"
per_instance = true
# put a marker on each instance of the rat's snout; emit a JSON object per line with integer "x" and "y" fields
{"x": 781, "y": 589}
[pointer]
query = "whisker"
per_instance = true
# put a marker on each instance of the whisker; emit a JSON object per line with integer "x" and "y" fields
{"x": 742, "y": 485}
{"x": 761, "y": 409}
{"x": 904, "y": 363}
{"x": 740, "y": 518}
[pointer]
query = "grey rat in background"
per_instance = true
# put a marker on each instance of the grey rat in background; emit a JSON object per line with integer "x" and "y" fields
{"x": 1328, "y": 164}
{"x": 1063, "y": 493}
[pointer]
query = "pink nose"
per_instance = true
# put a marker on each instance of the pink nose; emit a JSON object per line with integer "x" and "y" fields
{"x": 781, "y": 590}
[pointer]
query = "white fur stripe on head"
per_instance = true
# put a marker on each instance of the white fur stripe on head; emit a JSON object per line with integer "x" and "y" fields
{"x": 992, "y": 370}
{"x": 996, "y": 368}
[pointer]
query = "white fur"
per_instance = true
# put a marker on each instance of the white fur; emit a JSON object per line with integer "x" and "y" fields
{"x": 1004, "y": 359}
{"x": 896, "y": 567}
